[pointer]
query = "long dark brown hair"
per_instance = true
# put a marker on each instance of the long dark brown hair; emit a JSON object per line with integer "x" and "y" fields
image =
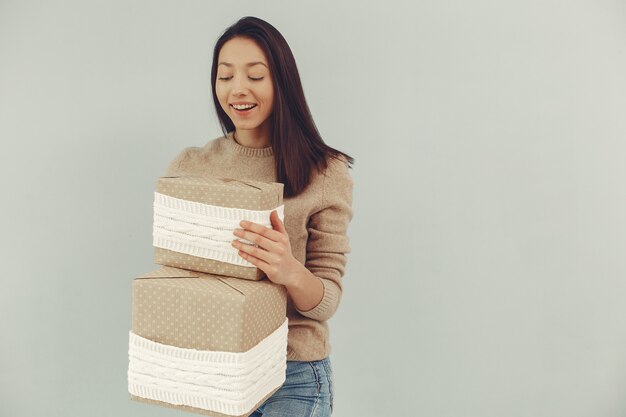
{"x": 296, "y": 143}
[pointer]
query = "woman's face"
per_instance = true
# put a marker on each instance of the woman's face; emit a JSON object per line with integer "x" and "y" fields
{"x": 243, "y": 77}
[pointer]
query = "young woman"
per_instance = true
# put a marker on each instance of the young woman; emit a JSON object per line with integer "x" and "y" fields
{"x": 269, "y": 135}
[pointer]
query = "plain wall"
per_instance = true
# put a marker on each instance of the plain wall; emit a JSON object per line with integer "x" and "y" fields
{"x": 487, "y": 272}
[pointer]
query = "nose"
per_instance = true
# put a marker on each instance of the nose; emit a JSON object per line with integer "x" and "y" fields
{"x": 239, "y": 86}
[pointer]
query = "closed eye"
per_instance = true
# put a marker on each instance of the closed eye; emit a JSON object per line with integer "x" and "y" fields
{"x": 228, "y": 78}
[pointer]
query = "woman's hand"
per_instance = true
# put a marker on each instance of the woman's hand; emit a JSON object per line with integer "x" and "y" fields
{"x": 273, "y": 254}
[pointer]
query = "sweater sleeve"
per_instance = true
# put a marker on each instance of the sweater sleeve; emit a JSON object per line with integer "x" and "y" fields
{"x": 328, "y": 243}
{"x": 176, "y": 166}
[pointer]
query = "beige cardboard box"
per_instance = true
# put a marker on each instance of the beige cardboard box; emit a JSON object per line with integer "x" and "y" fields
{"x": 205, "y": 343}
{"x": 194, "y": 218}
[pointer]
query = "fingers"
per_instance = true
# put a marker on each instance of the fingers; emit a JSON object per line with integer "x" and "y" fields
{"x": 257, "y": 239}
{"x": 264, "y": 266}
{"x": 272, "y": 244}
{"x": 256, "y": 252}
{"x": 273, "y": 235}
{"x": 260, "y": 229}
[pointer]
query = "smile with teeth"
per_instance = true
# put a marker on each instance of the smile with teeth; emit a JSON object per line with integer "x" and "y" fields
{"x": 243, "y": 106}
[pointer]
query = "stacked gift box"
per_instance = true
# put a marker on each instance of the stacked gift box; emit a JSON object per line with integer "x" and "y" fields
{"x": 209, "y": 330}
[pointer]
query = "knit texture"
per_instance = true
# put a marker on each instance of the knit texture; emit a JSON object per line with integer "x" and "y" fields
{"x": 226, "y": 382}
{"x": 316, "y": 221}
{"x": 203, "y": 230}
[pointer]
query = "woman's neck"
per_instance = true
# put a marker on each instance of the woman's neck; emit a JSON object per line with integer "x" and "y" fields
{"x": 253, "y": 138}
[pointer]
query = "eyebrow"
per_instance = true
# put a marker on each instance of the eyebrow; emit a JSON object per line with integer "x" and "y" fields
{"x": 249, "y": 64}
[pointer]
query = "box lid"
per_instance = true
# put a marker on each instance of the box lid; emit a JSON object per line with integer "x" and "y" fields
{"x": 204, "y": 311}
{"x": 250, "y": 194}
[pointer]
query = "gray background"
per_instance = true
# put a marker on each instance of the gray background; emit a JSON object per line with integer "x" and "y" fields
{"x": 487, "y": 269}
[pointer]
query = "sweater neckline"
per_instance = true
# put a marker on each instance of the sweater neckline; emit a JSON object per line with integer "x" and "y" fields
{"x": 244, "y": 150}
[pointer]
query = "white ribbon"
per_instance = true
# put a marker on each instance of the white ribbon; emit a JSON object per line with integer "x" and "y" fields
{"x": 227, "y": 382}
{"x": 203, "y": 230}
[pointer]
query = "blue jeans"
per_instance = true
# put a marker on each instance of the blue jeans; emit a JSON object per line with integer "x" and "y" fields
{"x": 307, "y": 392}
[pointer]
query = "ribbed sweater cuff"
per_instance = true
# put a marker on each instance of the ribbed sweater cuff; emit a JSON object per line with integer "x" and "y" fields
{"x": 327, "y": 305}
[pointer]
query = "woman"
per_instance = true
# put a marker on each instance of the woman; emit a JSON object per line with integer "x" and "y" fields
{"x": 269, "y": 135}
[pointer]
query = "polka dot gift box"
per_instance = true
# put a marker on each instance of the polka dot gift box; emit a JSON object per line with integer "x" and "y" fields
{"x": 194, "y": 220}
{"x": 205, "y": 343}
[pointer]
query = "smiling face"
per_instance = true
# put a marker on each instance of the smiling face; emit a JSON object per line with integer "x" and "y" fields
{"x": 243, "y": 81}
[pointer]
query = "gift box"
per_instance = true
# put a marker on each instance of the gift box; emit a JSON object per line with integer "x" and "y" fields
{"x": 194, "y": 220}
{"x": 205, "y": 343}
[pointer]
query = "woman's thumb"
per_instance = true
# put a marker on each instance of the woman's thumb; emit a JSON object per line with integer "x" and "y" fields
{"x": 277, "y": 224}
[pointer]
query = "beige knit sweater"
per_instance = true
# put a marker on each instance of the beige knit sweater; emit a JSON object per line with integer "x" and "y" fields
{"x": 316, "y": 222}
